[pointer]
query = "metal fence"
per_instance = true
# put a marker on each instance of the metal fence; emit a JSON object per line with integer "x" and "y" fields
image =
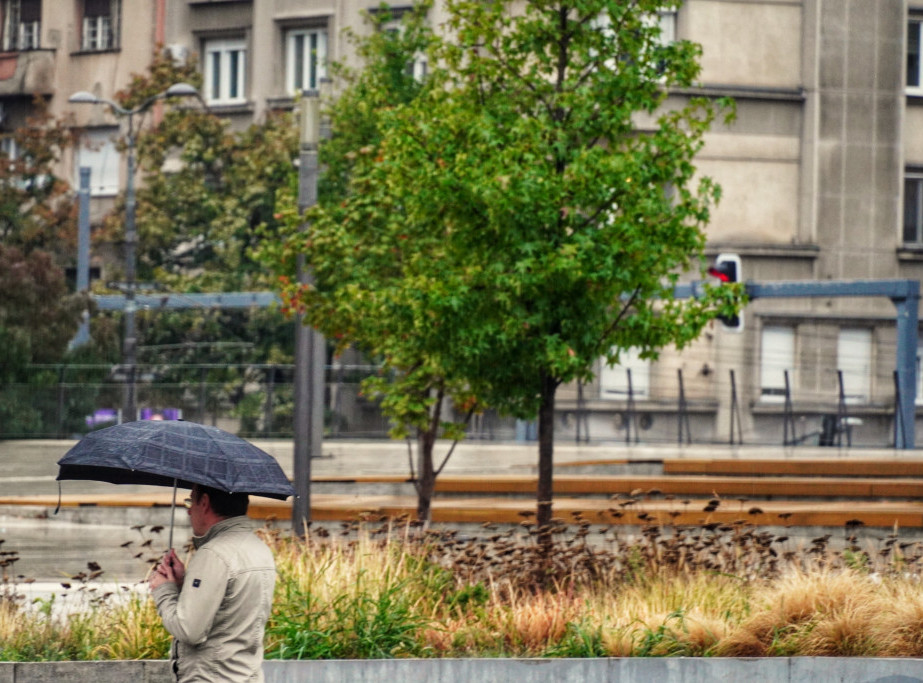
{"x": 254, "y": 401}
{"x": 251, "y": 400}
{"x": 257, "y": 401}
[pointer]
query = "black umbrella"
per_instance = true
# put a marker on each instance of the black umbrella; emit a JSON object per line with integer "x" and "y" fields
{"x": 175, "y": 453}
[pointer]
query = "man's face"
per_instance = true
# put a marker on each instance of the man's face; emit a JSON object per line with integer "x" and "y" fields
{"x": 197, "y": 513}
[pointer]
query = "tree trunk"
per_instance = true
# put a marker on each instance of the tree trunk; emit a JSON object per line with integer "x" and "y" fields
{"x": 426, "y": 475}
{"x": 545, "y": 458}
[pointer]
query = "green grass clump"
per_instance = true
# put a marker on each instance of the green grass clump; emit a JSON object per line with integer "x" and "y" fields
{"x": 91, "y": 627}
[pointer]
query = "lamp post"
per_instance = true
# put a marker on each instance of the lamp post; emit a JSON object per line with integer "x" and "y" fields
{"x": 129, "y": 340}
{"x": 309, "y": 344}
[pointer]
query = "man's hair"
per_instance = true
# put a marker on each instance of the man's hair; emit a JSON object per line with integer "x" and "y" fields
{"x": 223, "y": 503}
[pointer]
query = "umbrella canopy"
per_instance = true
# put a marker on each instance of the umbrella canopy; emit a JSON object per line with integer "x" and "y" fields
{"x": 175, "y": 452}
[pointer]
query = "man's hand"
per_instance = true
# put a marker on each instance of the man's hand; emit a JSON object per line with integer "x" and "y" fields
{"x": 176, "y": 565}
{"x": 171, "y": 569}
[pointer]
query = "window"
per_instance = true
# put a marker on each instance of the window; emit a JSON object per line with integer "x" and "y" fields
{"x": 914, "y": 75}
{"x": 777, "y": 355}
{"x": 416, "y": 67}
{"x": 9, "y": 151}
{"x": 613, "y": 380}
{"x": 18, "y": 173}
{"x": 98, "y": 152}
{"x": 913, "y": 209}
{"x": 225, "y": 66}
{"x": 665, "y": 21}
{"x": 9, "y": 148}
{"x": 854, "y": 360}
{"x": 100, "y": 24}
{"x": 305, "y": 59}
{"x": 21, "y": 24}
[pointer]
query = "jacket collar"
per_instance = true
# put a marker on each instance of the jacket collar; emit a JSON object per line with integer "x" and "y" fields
{"x": 241, "y": 522}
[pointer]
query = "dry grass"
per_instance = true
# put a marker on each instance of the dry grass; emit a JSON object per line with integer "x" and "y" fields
{"x": 709, "y": 590}
{"x": 395, "y": 590}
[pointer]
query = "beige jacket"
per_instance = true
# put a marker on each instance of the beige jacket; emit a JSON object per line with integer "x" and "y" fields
{"x": 218, "y": 618}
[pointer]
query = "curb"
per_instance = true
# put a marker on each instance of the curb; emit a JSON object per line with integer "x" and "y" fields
{"x": 600, "y": 670}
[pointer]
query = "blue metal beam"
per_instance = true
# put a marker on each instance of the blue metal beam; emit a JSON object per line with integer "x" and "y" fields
{"x": 904, "y": 294}
{"x": 116, "y": 302}
{"x": 893, "y": 289}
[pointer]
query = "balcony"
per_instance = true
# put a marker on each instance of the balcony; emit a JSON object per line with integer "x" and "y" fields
{"x": 27, "y": 73}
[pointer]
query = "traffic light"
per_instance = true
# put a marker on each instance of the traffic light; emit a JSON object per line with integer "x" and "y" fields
{"x": 727, "y": 270}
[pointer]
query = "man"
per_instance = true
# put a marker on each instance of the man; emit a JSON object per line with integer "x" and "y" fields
{"x": 216, "y": 608}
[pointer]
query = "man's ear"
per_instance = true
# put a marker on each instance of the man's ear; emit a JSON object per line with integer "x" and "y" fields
{"x": 205, "y": 501}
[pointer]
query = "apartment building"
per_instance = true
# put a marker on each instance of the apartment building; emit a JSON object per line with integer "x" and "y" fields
{"x": 816, "y": 171}
{"x": 54, "y": 48}
{"x": 822, "y": 177}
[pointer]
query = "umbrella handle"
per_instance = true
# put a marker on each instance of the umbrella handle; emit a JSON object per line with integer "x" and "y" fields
{"x": 172, "y": 516}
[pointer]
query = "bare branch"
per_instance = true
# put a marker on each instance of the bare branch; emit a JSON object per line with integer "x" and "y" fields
{"x": 413, "y": 475}
{"x": 454, "y": 443}
{"x": 618, "y": 318}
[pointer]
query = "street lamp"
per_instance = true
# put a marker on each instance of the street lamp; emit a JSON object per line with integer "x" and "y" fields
{"x": 310, "y": 353}
{"x": 129, "y": 343}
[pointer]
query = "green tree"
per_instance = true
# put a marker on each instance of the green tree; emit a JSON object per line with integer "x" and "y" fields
{"x": 413, "y": 389}
{"x": 37, "y": 211}
{"x": 37, "y": 319}
{"x": 38, "y": 315}
{"x": 530, "y": 210}
{"x": 205, "y": 191}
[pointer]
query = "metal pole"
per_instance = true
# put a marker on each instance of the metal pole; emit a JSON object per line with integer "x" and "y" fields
{"x": 899, "y": 427}
{"x": 735, "y": 412}
{"x": 130, "y": 342}
{"x": 309, "y": 345}
{"x": 788, "y": 418}
{"x": 907, "y": 334}
{"x": 83, "y": 253}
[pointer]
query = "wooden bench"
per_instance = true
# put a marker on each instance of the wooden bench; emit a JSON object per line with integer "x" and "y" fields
{"x": 694, "y": 510}
{"x": 763, "y": 492}
{"x": 831, "y": 514}
{"x": 678, "y": 485}
{"x": 845, "y": 467}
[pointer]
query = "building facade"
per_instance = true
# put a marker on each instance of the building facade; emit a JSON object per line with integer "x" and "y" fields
{"x": 822, "y": 178}
{"x": 819, "y": 183}
{"x": 54, "y": 48}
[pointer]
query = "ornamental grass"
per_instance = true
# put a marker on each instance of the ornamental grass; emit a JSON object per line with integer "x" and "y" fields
{"x": 394, "y": 589}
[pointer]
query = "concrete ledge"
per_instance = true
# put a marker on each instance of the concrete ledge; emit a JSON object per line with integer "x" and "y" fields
{"x": 153, "y": 671}
{"x": 624, "y": 670}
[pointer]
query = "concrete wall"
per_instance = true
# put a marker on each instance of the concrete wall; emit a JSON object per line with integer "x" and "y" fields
{"x": 630, "y": 670}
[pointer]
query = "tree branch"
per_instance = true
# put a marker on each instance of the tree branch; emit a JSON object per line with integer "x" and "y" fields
{"x": 618, "y": 318}
{"x": 454, "y": 443}
{"x": 413, "y": 475}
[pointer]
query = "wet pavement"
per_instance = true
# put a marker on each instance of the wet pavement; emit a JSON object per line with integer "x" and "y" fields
{"x": 56, "y": 551}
